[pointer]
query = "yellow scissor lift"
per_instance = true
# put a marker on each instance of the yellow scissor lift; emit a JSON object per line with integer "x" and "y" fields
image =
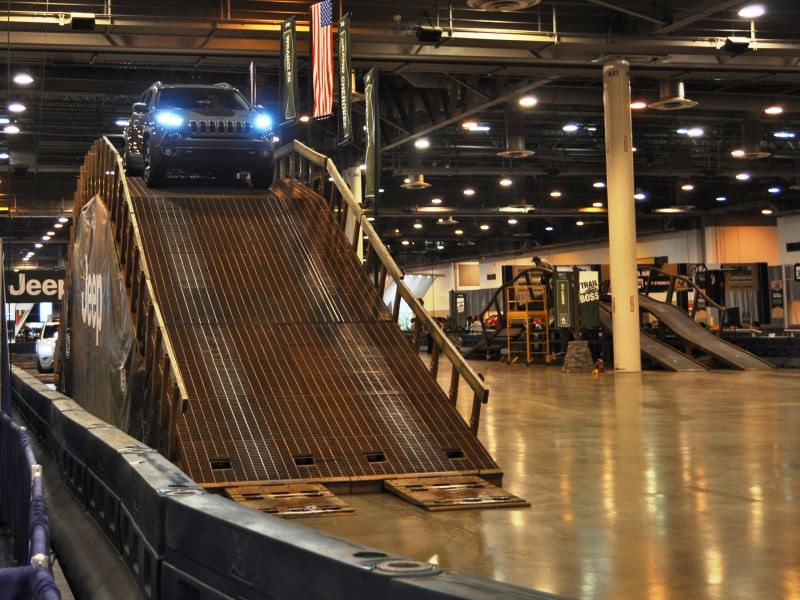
{"x": 526, "y": 307}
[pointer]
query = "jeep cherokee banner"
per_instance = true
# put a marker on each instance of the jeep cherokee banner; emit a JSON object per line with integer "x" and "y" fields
{"x": 289, "y": 85}
{"x": 345, "y": 83}
{"x": 102, "y": 355}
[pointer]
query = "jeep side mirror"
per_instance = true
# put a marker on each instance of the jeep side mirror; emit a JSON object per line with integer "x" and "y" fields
{"x": 139, "y": 107}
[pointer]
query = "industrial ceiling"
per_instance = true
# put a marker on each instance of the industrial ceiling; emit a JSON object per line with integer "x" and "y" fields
{"x": 696, "y": 65}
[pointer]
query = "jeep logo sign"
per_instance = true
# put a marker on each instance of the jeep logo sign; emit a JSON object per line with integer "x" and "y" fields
{"x": 35, "y": 286}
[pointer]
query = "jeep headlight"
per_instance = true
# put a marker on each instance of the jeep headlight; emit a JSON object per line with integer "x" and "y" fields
{"x": 263, "y": 122}
{"x": 168, "y": 119}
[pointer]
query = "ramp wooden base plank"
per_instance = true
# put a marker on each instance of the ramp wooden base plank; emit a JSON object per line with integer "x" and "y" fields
{"x": 289, "y": 500}
{"x": 453, "y": 493}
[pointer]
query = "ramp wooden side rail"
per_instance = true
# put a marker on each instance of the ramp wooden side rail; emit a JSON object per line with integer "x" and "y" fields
{"x": 102, "y": 174}
{"x": 301, "y": 163}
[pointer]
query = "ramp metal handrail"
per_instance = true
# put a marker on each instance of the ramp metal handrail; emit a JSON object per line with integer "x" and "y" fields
{"x": 103, "y": 174}
{"x": 299, "y": 162}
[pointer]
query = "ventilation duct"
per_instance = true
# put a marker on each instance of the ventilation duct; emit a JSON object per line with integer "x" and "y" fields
{"x": 751, "y": 140}
{"x": 672, "y": 97}
{"x": 502, "y": 5}
{"x": 515, "y": 136}
{"x": 416, "y": 182}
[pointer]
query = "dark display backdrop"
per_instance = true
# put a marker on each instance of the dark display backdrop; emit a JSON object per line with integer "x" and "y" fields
{"x": 105, "y": 365}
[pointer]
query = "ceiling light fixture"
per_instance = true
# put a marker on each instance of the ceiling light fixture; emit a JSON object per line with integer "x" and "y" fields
{"x": 405, "y": 242}
{"x": 672, "y": 96}
{"x": 46, "y": 238}
{"x": 417, "y": 182}
{"x": 16, "y": 107}
{"x": 38, "y": 245}
{"x": 599, "y": 184}
{"x": 579, "y": 223}
{"x": 549, "y": 228}
{"x": 506, "y": 182}
{"x": 436, "y": 200}
{"x": 687, "y": 187}
{"x": 121, "y": 122}
{"x": 743, "y": 176}
{"x": 766, "y": 211}
{"x": 304, "y": 119}
{"x": 784, "y": 135}
{"x": 638, "y": 105}
{"x": 640, "y": 196}
{"x": 484, "y": 227}
{"x": 528, "y": 101}
{"x": 23, "y": 79}
{"x": 571, "y": 127}
{"x": 555, "y": 194}
{"x": 469, "y": 191}
{"x": 417, "y": 224}
{"x": 752, "y": 11}
{"x": 63, "y": 219}
{"x": 459, "y": 232}
{"x": 59, "y": 225}
{"x": 11, "y": 128}
{"x": 721, "y": 198}
{"x": 512, "y": 221}
{"x": 738, "y": 153}
{"x": 597, "y": 204}
{"x": 773, "y": 109}
{"x": 422, "y": 143}
{"x": 774, "y": 190}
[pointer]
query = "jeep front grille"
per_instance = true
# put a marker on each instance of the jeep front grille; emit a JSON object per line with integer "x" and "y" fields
{"x": 219, "y": 127}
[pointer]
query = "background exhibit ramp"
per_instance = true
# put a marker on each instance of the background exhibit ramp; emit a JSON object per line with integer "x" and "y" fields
{"x": 660, "y": 352}
{"x": 697, "y": 336}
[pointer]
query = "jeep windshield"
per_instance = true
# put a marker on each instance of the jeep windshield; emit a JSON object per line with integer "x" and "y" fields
{"x": 200, "y": 98}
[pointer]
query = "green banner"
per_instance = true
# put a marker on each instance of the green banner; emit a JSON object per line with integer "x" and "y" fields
{"x": 289, "y": 87}
{"x": 373, "y": 134}
{"x": 563, "y": 299}
{"x": 345, "y": 82}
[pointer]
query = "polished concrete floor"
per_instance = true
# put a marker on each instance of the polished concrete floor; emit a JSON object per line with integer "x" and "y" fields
{"x": 655, "y": 485}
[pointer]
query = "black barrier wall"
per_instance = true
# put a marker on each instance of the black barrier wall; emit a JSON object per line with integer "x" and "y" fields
{"x": 180, "y": 541}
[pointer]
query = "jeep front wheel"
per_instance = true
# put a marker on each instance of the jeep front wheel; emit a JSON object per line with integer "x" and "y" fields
{"x": 154, "y": 170}
{"x": 262, "y": 178}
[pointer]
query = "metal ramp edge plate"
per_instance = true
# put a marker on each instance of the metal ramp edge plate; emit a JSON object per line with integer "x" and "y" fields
{"x": 289, "y": 500}
{"x": 453, "y": 492}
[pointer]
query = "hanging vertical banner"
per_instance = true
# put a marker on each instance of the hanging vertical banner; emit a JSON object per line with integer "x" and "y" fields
{"x": 345, "y": 82}
{"x": 563, "y": 299}
{"x": 252, "y": 83}
{"x": 322, "y": 57}
{"x": 373, "y": 134}
{"x": 289, "y": 86}
{"x": 589, "y": 298}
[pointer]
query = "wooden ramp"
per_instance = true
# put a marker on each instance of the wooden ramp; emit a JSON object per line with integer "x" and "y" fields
{"x": 293, "y": 366}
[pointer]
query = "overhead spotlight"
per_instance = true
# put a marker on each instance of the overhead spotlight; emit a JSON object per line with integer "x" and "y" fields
{"x": 4, "y": 155}
{"x": 571, "y": 127}
{"x": 774, "y": 190}
{"x": 773, "y": 109}
{"x": 687, "y": 187}
{"x": 555, "y": 194}
{"x": 528, "y": 101}
{"x": 640, "y": 195}
{"x": 752, "y": 11}
{"x": 304, "y": 118}
{"x": 23, "y": 79}
{"x": 784, "y": 135}
{"x": 63, "y": 220}
{"x": 579, "y": 223}
{"x": 436, "y": 200}
{"x": 417, "y": 224}
{"x": 38, "y": 245}
{"x": 506, "y": 182}
{"x": 121, "y": 122}
{"x": 16, "y": 107}
{"x": 721, "y": 198}
{"x": 743, "y": 176}
{"x": 638, "y": 105}
{"x": 469, "y": 191}
{"x": 597, "y": 205}
{"x": 738, "y": 153}
{"x": 766, "y": 211}
{"x": 512, "y": 221}
{"x": 11, "y": 128}
{"x": 549, "y": 228}
{"x": 459, "y": 232}
{"x": 405, "y": 242}
{"x": 422, "y": 143}
{"x": 599, "y": 185}
{"x": 484, "y": 227}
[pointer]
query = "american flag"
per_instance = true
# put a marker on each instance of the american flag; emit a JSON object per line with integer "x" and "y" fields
{"x": 322, "y": 57}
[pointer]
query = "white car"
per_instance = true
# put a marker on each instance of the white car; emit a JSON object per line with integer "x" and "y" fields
{"x": 46, "y": 346}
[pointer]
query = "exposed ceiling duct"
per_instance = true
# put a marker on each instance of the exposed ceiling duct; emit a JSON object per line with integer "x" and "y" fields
{"x": 751, "y": 140}
{"x": 515, "y": 136}
{"x": 672, "y": 96}
{"x": 502, "y": 5}
{"x": 416, "y": 182}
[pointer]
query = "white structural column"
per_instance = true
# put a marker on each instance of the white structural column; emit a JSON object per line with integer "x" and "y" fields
{"x": 621, "y": 215}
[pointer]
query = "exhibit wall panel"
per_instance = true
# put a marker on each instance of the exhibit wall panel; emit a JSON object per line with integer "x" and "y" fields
{"x": 741, "y": 244}
{"x": 789, "y": 237}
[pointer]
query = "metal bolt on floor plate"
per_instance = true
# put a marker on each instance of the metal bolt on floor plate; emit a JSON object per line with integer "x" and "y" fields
{"x": 405, "y": 567}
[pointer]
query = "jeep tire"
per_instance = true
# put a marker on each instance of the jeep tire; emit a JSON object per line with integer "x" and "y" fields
{"x": 130, "y": 170}
{"x": 154, "y": 169}
{"x": 262, "y": 178}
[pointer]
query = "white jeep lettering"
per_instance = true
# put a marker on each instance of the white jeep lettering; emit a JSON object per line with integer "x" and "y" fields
{"x": 92, "y": 304}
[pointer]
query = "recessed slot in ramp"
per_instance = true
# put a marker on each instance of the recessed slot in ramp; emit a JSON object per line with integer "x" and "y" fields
{"x": 454, "y": 492}
{"x": 289, "y": 500}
